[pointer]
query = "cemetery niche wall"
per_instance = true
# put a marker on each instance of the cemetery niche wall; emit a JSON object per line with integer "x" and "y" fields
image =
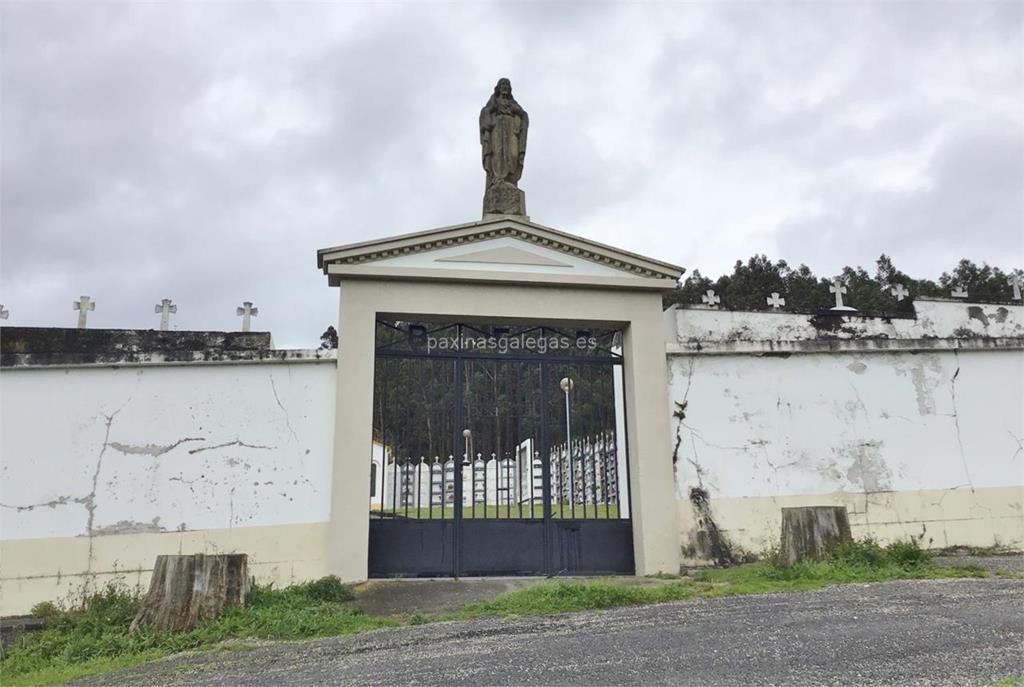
{"x": 120, "y": 445}
{"x": 914, "y": 423}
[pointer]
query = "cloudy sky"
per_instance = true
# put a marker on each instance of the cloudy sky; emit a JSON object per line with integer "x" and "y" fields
{"x": 204, "y": 151}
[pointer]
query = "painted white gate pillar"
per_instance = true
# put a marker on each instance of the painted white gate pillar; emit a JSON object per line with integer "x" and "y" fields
{"x": 349, "y": 531}
{"x": 652, "y": 481}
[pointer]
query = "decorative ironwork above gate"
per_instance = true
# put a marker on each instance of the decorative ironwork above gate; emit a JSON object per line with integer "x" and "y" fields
{"x": 518, "y": 342}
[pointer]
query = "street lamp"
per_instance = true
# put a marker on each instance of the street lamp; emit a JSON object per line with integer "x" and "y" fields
{"x": 467, "y": 459}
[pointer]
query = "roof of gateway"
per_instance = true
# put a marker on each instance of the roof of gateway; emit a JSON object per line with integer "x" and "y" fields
{"x": 506, "y": 226}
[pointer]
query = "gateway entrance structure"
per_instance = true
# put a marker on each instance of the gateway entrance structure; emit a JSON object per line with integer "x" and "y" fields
{"x": 504, "y": 452}
{"x": 501, "y": 406}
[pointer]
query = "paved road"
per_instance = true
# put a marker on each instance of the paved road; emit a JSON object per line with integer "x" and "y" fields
{"x": 952, "y": 632}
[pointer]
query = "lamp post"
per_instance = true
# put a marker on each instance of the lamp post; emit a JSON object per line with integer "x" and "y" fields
{"x": 566, "y": 384}
{"x": 467, "y": 458}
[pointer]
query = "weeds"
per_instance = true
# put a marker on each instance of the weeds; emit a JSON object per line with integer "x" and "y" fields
{"x": 858, "y": 561}
{"x": 94, "y": 637}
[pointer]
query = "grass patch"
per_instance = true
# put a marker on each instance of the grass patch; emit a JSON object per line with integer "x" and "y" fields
{"x": 859, "y": 561}
{"x": 93, "y": 638}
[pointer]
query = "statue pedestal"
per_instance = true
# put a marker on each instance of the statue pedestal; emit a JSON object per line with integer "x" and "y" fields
{"x": 504, "y": 198}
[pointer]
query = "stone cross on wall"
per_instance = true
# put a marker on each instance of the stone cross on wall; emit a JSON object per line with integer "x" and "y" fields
{"x": 775, "y": 301}
{"x": 247, "y": 312}
{"x": 710, "y": 298}
{"x": 4, "y": 314}
{"x": 838, "y": 289}
{"x": 1015, "y": 281}
{"x": 165, "y": 308}
{"x": 958, "y": 292}
{"x": 899, "y": 290}
{"x": 83, "y": 305}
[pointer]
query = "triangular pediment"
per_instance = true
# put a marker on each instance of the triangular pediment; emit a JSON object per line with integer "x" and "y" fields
{"x": 505, "y": 249}
{"x": 506, "y": 255}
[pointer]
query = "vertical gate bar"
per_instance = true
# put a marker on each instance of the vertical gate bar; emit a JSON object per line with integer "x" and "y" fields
{"x": 528, "y": 420}
{"x": 430, "y": 449}
{"x": 604, "y": 445}
{"x": 483, "y": 457}
{"x": 595, "y": 372}
{"x": 507, "y": 414}
{"x": 561, "y": 481}
{"x": 568, "y": 448}
{"x": 417, "y": 480}
{"x": 509, "y": 439}
{"x": 625, "y": 442}
{"x": 405, "y": 493}
{"x": 537, "y": 456}
{"x": 584, "y": 425}
{"x": 457, "y": 465}
{"x": 584, "y": 428}
{"x": 394, "y": 458}
{"x": 615, "y": 446}
{"x": 545, "y": 473}
{"x": 383, "y": 449}
{"x": 534, "y": 457}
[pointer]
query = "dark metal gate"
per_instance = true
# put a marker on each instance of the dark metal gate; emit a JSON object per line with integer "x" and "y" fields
{"x": 498, "y": 451}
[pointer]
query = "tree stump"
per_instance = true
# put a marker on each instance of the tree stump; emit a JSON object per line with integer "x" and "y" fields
{"x": 187, "y": 589}
{"x": 809, "y": 533}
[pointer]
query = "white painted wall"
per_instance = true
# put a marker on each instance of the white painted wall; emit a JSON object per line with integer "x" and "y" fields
{"x": 105, "y": 451}
{"x": 886, "y": 417}
{"x": 818, "y": 423}
{"x": 915, "y": 425}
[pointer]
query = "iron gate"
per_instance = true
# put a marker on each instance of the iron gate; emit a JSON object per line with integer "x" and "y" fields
{"x": 498, "y": 451}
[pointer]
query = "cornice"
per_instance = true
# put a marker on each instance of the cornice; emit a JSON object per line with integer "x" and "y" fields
{"x": 594, "y": 255}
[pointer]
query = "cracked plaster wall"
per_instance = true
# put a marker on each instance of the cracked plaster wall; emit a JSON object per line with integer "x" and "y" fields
{"x": 94, "y": 453}
{"x": 874, "y": 430}
{"x": 935, "y": 319}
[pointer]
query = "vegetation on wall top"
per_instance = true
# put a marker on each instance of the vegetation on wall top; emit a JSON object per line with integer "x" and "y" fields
{"x": 751, "y": 282}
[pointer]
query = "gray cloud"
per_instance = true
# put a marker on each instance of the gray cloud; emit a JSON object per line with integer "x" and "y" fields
{"x": 205, "y": 151}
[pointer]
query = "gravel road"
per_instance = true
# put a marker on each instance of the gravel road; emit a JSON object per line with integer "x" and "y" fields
{"x": 935, "y": 632}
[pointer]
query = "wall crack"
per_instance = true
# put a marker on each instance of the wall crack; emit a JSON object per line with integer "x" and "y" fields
{"x": 287, "y": 418}
{"x": 956, "y": 419}
{"x": 154, "y": 450}
{"x": 236, "y": 442}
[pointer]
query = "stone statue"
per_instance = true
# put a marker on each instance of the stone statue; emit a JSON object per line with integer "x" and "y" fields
{"x": 503, "y": 127}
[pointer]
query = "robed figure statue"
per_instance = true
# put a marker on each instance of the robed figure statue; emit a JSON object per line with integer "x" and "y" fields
{"x": 503, "y": 127}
